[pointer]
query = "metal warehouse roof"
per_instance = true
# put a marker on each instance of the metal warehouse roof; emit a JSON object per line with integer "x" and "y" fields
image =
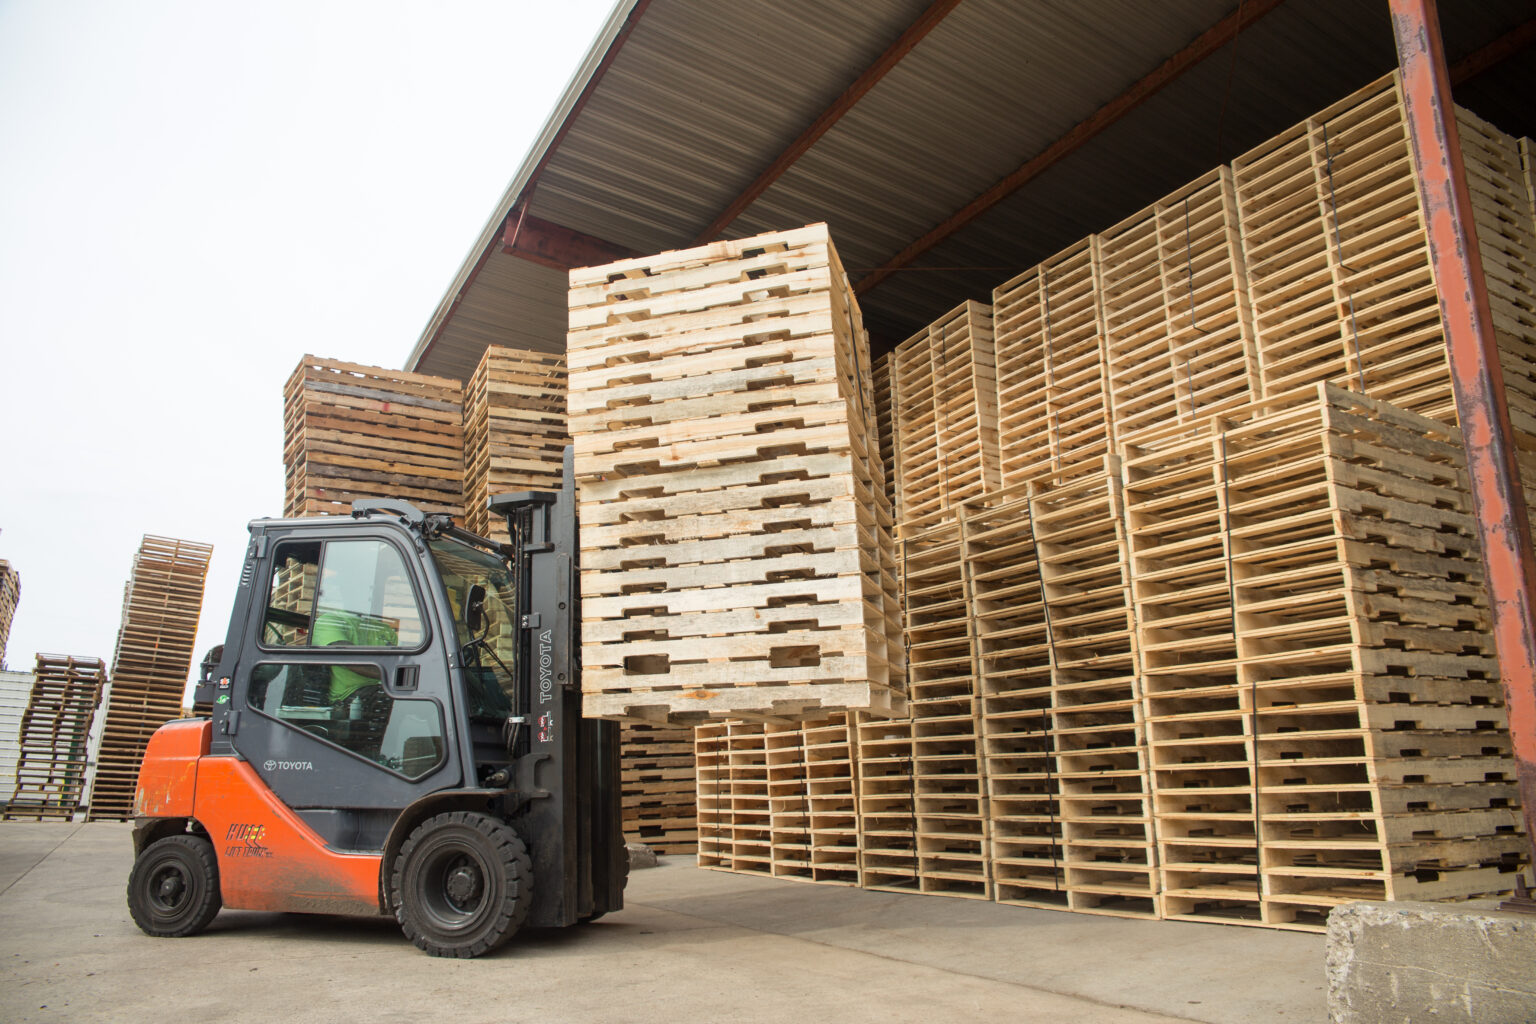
{"x": 948, "y": 144}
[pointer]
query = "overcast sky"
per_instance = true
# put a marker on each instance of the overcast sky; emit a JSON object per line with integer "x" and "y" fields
{"x": 192, "y": 196}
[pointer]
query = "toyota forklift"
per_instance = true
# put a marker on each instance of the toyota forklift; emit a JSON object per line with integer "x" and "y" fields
{"x": 396, "y": 731}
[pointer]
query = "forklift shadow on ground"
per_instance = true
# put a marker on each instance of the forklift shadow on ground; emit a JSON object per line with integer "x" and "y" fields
{"x": 396, "y": 732}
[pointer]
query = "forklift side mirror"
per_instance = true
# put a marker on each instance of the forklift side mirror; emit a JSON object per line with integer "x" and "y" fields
{"x": 474, "y": 609}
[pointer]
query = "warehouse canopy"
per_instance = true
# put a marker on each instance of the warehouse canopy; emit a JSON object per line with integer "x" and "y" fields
{"x": 948, "y": 144}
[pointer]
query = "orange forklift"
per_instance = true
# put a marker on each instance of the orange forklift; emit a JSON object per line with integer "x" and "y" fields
{"x": 396, "y": 730}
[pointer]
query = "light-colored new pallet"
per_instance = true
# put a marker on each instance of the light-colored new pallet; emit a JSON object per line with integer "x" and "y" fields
{"x": 832, "y": 782}
{"x": 736, "y": 559}
{"x": 1013, "y": 679}
{"x": 943, "y": 395}
{"x": 1179, "y": 339}
{"x": 161, "y": 605}
{"x": 1337, "y": 257}
{"x": 948, "y": 783}
{"x": 886, "y": 427}
{"x": 1096, "y": 699}
{"x": 779, "y": 798}
{"x": 52, "y": 741}
{"x": 1356, "y": 617}
{"x": 888, "y": 855}
{"x": 1048, "y": 327}
{"x": 1506, "y": 234}
{"x": 514, "y": 430}
{"x": 352, "y": 431}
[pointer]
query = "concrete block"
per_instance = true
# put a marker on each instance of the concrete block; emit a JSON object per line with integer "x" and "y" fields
{"x": 640, "y": 856}
{"x": 1461, "y": 963}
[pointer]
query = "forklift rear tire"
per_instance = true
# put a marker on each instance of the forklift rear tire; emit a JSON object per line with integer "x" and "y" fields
{"x": 462, "y": 884}
{"x": 173, "y": 890}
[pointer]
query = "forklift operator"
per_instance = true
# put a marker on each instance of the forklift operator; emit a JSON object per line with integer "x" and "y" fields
{"x": 343, "y": 621}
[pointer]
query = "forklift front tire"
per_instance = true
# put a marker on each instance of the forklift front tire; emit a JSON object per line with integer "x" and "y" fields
{"x": 462, "y": 884}
{"x": 173, "y": 890}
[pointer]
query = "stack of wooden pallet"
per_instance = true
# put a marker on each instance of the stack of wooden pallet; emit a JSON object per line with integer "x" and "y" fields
{"x": 10, "y": 597}
{"x": 1218, "y": 647}
{"x": 352, "y": 431}
{"x": 161, "y": 606}
{"x": 885, "y": 423}
{"x": 657, "y": 787}
{"x": 1178, "y": 333}
{"x": 1337, "y": 258}
{"x": 947, "y": 786}
{"x": 514, "y": 430}
{"x": 1324, "y": 717}
{"x": 1503, "y": 188}
{"x": 1013, "y": 681}
{"x": 943, "y": 394}
{"x": 55, "y": 730}
{"x": 1050, "y": 364}
{"x": 730, "y": 486}
{"x": 778, "y": 799}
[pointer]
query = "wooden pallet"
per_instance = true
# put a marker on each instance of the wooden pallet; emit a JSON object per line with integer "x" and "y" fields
{"x": 162, "y": 602}
{"x": 353, "y": 431}
{"x": 514, "y": 430}
{"x": 1096, "y": 694}
{"x": 1049, "y": 328}
{"x": 888, "y": 857}
{"x": 1323, "y": 753}
{"x": 10, "y": 596}
{"x": 1506, "y": 234}
{"x": 658, "y": 787}
{"x": 1197, "y": 726}
{"x": 779, "y": 798}
{"x": 947, "y": 778}
{"x": 730, "y": 487}
{"x": 1337, "y": 257}
{"x": 1179, "y": 339}
{"x": 52, "y": 752}
{"x": 832, "y": 783}
{"x": 943, "y": 394}
{"x": 1014, "y": 695}
{"x": 711, "y": 753}
{"x": 885, "y": 425}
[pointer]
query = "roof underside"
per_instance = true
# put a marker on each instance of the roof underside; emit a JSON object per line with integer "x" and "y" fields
{"x": 686, "y": 102}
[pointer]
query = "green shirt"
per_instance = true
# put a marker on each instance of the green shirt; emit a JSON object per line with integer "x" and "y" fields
{"x": 348, "y": 629}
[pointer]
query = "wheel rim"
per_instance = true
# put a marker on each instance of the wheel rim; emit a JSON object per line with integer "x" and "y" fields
{"x": 453, "y": 888}
{"x": 170, "y": 888}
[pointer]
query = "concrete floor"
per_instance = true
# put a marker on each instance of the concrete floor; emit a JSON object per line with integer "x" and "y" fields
{"x": 691, "y": 945}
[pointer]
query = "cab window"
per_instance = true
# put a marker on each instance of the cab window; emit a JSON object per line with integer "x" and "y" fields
{"x": 347, "y": 705}
{"x": 341, "y": 593}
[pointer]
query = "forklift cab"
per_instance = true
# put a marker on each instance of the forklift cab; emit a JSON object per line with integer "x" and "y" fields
{"x": 396, "y": 729}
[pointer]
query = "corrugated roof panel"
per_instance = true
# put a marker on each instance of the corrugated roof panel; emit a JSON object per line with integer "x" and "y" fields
{"x": 704, "y": 95}
{"x": 701, "y": 98}
{"x": 513, "y": 302}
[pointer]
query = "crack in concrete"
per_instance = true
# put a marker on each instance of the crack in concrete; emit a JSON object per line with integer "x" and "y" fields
{"x": 72, "y": 833}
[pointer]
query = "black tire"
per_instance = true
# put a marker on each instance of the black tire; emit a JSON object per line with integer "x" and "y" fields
{"x": 173, "y": 890}
{"x": 462, "y": 884}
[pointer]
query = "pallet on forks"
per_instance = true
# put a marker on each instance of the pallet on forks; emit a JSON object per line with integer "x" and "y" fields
{"x": 730, "y": 487}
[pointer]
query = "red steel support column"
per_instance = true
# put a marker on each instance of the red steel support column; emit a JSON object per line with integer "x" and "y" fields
{"x": 1502, "y": 522}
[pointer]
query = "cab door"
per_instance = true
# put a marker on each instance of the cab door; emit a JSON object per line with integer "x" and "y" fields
{"x": 342, "y": 687}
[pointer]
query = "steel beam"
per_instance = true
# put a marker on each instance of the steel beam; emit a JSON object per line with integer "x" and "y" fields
{"x": 1495, "y": 53}
{"x": 555, "y": 245}
{"x": 1207, "y": 43}
{"x": 903, "y": 45}
{"x": 1502, "y": 523}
